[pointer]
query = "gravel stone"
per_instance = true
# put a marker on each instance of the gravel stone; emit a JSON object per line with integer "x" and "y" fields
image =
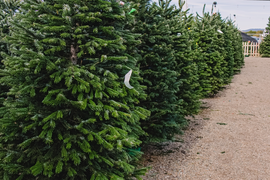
{"x": 228, "y": 140}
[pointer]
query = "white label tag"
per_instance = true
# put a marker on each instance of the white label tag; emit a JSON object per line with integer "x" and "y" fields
{"x": 127, "y": 78}
{"x": 220, "y": 31}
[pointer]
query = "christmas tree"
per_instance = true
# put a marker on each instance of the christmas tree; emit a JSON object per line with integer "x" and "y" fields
{"x": 228, "y": 29}
{"x": 238, "y": 51}
{"x": 219, "y": 23}
{"x": 210, "y": 67}
{"x": 8, "y": 9}
{"x": 157, "y": 65}
{"x": 186, "y": 55}
{"x": 71, "y": 115}
{"x": 265, "y": 45}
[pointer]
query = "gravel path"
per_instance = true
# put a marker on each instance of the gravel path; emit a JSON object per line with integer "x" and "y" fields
{"x": 228, "y": 140}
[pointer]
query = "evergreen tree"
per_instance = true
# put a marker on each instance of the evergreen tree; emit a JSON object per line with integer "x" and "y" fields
{"x": 8, "y": 9}
{"x": 238, "y": 51}
{"x": 218, "y": 23}
{"x": 228, "y": 29}
{"x": 211, "y": 66}
{"x": 157, "y": 66}
{"x": 265, "y": 44}
{"x": 71, "y": 117}
{"x": 186, "y": 55}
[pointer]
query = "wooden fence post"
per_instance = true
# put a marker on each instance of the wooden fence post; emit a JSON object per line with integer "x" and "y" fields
{"x": 251, "y": 49}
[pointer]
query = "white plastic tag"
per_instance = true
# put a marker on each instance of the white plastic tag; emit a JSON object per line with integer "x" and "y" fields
{"x": 127, "y": 78}
{"x": 220, "y": 31}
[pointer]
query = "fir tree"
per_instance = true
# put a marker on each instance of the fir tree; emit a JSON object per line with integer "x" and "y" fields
{"x": 265, "y": 45}
{"x": 158, "y": 70}
{"x": 8, "y": 9}
{"x": 71, "y": 117}
{"x": 218, "y": 23}
{"x": 238, "y": 51}
{"x": 211, "y": 69}
{"x": 186, "y": 55}
{"x": 228, "y": 29}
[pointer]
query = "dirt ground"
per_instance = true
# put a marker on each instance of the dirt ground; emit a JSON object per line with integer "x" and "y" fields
{"x": 228, "y": 140}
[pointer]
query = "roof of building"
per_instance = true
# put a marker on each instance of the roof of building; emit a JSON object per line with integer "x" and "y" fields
{"x": 246, "y": 37}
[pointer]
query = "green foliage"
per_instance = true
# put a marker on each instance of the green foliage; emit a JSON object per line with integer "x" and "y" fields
{"x": 255, "y": 33}
{"x": 251, "y": 32}
{"x": 8, "y": 9}
{"x": 265, "y": 44}
{"x": 212, "y": 66}
{"x": 238, "y": 51}
{"x": 68, "y": 115}
{"x": 228, "y": 29}
{"x": 265, "y": 47}
{"x": 158, "y": 70}
{"x": 71, "y": 116}
{"x": 186, "y": 55}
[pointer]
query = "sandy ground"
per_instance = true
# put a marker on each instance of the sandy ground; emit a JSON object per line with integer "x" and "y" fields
{"x": 228, "y": 140}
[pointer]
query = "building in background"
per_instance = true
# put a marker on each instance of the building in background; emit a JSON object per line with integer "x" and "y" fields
{"x": 259, "y": 39}
{"x": 246, "y": 38}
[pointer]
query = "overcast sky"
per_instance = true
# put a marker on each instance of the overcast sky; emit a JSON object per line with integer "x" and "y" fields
{"x": 249, "y": 14}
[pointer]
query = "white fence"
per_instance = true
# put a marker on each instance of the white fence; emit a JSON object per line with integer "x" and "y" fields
{"x": 251, "y": 49}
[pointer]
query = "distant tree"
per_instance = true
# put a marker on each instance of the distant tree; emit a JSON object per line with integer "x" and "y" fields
{"x": 251, "y": 32}
{"x": 265, "y": 45}
{"x": 254, "y": 33}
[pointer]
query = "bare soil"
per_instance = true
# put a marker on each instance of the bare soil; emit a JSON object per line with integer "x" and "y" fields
{"x": 228, "y": 140}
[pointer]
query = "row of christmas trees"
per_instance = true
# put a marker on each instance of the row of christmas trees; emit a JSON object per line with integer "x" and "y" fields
{"x": 66, "y": 112}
